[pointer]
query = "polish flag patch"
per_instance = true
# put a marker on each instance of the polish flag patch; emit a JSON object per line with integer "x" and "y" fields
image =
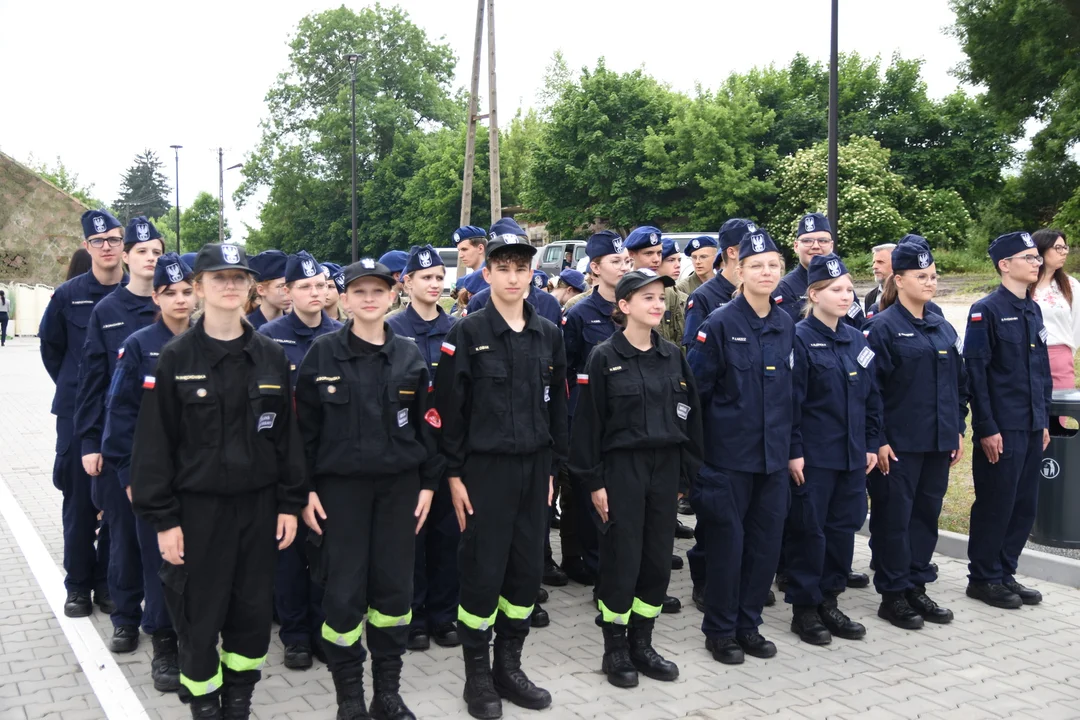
{"x": 582, "y": 379}
{"x": 564, "y": 320}
{"x": 448, "y": 349}
{"x": 690, "y": 303}
{"x": 778, "y": 299}
{"x": 433, "y": 419}
{"x": 120, "y": 354}
{"x": 148, "y": 382}
{"x": 431, "y": 386}
{"x": 701, "y": 336}
{"x": 976, "y": 317}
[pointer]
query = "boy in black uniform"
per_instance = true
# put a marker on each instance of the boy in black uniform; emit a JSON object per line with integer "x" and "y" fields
{"x": 500, "y": 392}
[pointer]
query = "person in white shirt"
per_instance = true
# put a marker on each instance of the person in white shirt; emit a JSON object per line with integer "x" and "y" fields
{"x": 1058, "y": 296}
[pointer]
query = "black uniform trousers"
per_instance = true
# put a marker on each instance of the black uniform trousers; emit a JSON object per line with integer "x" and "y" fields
{"x": 297, "y": 598}
{"x": 435, "y": 572}
{"x": 636, "y": 542}
{"x": 225, "y": 587}
{"x": 86, "y": 552}
{"x": 501, "y": 555}
{"x": 819, "y": 535}
{"x": 368, "y": 548}
{"x": 1006, "y": 493}
{"x": 904, "y": 510}
{"x": 740, "y": 521}
{"x": 568, "y": 533}
{"x": 125, "y": 576}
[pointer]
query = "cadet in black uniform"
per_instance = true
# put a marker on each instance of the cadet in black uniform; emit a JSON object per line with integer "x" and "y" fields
{"x": 923, "y": 388}
{"x": 837, "y": 417}
{"x": 1011, "y": 387}
{"x": 636, "y": 445}
{"x": 362, "y": 398}
{"x": 218, "y": 469}
{"x": 500, "y": 389}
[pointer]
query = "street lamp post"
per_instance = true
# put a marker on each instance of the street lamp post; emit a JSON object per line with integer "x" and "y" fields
{"x": 834, "y": 114}
{"x": 353, "y": 58}
{"x": 176, "y": 149}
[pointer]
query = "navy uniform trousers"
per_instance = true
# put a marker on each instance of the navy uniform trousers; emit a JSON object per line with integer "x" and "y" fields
{"x": 435, "y": 571}
{"x": 86, "y": 563}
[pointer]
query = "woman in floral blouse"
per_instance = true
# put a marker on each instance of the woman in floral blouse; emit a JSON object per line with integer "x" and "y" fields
{"x": 1058, "y": 296}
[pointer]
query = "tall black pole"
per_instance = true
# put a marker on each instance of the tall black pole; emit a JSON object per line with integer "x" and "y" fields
{"x": 176, "y": 149}
{"x": 353, "y": 59}
{"x": 834, "y": 115}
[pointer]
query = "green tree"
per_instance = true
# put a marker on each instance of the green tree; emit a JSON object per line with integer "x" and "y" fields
{"x": 198, "y": 224}
{"x": 59, "y": 175}
{"x": 144, "y": 189}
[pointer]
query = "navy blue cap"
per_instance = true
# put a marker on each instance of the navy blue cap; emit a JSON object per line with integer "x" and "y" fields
{"x": 732, "y": 231}
{"x": 643, "y": 237}
{"x": 813, "y": 222}
{"x": 269, "y": 264}
{"x": 394, "y": 260}
{"x": 422, "y": 257}
{"x": 605, "y": 242}
{"x": 825, "y": 267}
{"x": 469, "y": 232}
{"x": 505, "y": 226}
{"x": 140, "y": 229}
{"x": 912, "y": 253}
{"x": 301, "y": 266}
{"x": 540, "y": 279}
{"x": 366, "y": 267}
{"x": 339, "y": 279}
{"x": 171, "y": 269}
{"x": 756, "y": 244}
{"x": 574, "y": 279}
{"x": 330, "y": 268}
{"x": 189, "y": 259}
{"x": 636, "y": 279}
{"x": 474, "y": 282}
{"x": 223, "y": 256}
{"x": 702, "y": 241}
{"x": 1009, "y": 244}
{"x": 670, "y": 248}
{"x": 96, "y": 222}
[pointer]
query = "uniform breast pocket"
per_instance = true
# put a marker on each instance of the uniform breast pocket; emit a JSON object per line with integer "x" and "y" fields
{"x": 1010, "y": 332}
{"x": 201, "y": 421}
{"x": 268, "y": 405}
{"x": 594, "y": 333}
{"x": 403, "y": 396}
{"x": 334, "y": 398}
{"x": 739, "y": 355}
{"x": 492, "y": 383}
{"x": 823, "y": 366}
{"x": 626, "y": 402}
{"x": 79, "y": 315}
{"x": 908, "y": 348}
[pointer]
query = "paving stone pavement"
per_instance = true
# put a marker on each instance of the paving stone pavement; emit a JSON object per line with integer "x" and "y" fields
{"x": 987, "y": 664}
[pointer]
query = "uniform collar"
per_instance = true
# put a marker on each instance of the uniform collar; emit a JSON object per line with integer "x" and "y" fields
{"x": 498, "y": 323}
{"x": 97, "y": 288}
{"x": 599, "y": 302}
{"x": 751, "y": 315}
{"x": 164, "y": 330}
{"x": 928, "y": 319}
{"x": 343, "y": 351}
{"x": 825, "y": 331}
{"x": 1018, "y": 303}
{"x": 723, "y": 284}
{"x": 441, "y": 324}
{"x": 130, "y": 300}
{"x": 213, "y": 351}
{"x": 624, "y": 348}
{"x": 801, "y": 274}
{"x": 299, "y": 328}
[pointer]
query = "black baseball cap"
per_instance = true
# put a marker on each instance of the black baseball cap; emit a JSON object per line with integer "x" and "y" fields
{"x": 366, "y": 267}
{"x": 222, "y": 256}
{"x": 636, "y": 279}
{"x": 502, "y": 242}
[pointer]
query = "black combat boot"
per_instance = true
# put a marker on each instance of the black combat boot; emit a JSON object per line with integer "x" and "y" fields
{"x": 349, "y": 685}
{"x": 165, "y": 664}
{"x": 386, "y": 702}
{"x": 511, "y": 682}
{"x": 206, "y": 707}
{"x": 644, "y": 656}
{"x": 236, "y": 701}
{"x": 480, "y": 694}
{"x": 617, "y": 665}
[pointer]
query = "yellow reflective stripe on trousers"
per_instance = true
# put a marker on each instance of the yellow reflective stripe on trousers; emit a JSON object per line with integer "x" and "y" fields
{"x": 608, "y": 616}
{"x": 239, "y": 663}
{"x": 342, "y": 639}
{"x": 514, "y": 612}
{"x": 377, "y": 619}
{"x": 644, "y": 609}
{"x": 205, "y": 687}
{"x": 475, "y": 621}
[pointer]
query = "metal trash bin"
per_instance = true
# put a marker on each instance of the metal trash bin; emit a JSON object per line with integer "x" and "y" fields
{"x": 1057, "y": 516}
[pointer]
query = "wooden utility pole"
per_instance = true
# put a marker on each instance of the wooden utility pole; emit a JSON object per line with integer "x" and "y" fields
{"x": 221, "y": 195}
{"x": 493, "y": 120}
{"x": 470, "y": 138}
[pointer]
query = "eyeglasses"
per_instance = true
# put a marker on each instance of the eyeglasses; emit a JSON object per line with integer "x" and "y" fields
{"x": 1035, "y": 260}
{"x": 219, "y": 281}
{"x": 1063, "y": 249}
{"x": 811, "y": 242}
{"x": 924, "y": 279}
{"x": 99, "y": 242}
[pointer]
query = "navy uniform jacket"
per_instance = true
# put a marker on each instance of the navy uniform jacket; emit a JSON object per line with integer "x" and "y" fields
{"x": 586, "y": 325}
{"x": 636, "y": 400}
{"x": 135, "y": 372}
{"x": 546, "y": 306}
{"x": 367, "y": 414}
{"x": 790, "y": 296}
{"x": 921, "y": 376}
{"x": 63, "y": 332}
{"x": 742, "y": 364}
{"x": 256, "y": 318}
{"x": 837, "y": 407}
{"x": 931, "y": 306}
{"x": 111, "y": 322}
{"x": 428, "y": 336}
{"x": 1007, "y": 362}
{"x": 501, "y": 392}
{"x": 294, "y": 337}
{"x": 711, "y": 295}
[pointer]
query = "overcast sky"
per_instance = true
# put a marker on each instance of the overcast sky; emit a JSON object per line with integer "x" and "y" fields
{"x": 95, "y": 84}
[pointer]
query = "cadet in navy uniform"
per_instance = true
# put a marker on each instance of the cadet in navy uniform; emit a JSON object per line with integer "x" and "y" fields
{"x": 1011, "y": 387}
{"x": 123, "y": 312}
{"x": 835, "y": 428}
{"x": 923, "y": 386}
{"x": 636, "y": 445}
{"x": 742, "y": 363}
{"x": 702, "y": 250}
{"x": 62, "y": 333}
{"x": 646, "y": 247}
{"x": 333, "y": 295}
{"x": 298, "y": 601}
{"x": 717, "y": 291}
{"x": 135, "y": 372}
{"x": 217, "y": 469}
{"x": 670, "y": 259}
{"x": 545, "y": 305}
{"x": 499, "y": 391}
{"x": 540, "y": 280}
{"x": 814, "y": 237}
{"x": 269, "y": 269}
{"x": 884, "y": 299}
{"x": 435, "y": 580}
{"x": 369, "y": 439}
{"x": 394, "y": 260}
{"x": 587, "y": 324}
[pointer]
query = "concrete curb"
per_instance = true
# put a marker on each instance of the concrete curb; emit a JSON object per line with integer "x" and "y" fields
{"x": 1033, "y": 563}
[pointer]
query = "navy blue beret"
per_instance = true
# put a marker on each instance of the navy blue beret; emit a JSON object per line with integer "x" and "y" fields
{"x": 643, "y": 237}
{"x": 825, "y": 267}
{"x": 756, "y": 244}
{"x": 670, "y": 248}
{"x": 505, "y": 226}
{"x": 605, "y": 242}
{"x": 422, "y": 257}
{"x": 732, "y": 231}
{"x": 539, "y": 279}
{"x": 301, "y": 266}
{"x": 269, "y": 265}
{"x": 171, "y": 269}
{"x": 1009, "y": 244}
{"x": 140, "y": 229}
{"x": 702, "y": 241}
{"x": 96, "y": 222}
{"x": 813, "y": 222}
{"x": 189, "y": 259}
{"x": 574, "y": 279}
{"x": 468, "y": 232}
{"x": 394, "y": 260}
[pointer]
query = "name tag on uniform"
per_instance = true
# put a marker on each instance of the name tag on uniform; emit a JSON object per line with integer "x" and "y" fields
{"x": 284, "y": 342}
{"x": 403, "y": 417}
{"x": 613, "y": 369}
{"x": 1043, "y": 335}
{"x": 819, "y": 345}
{"x": 900, "y": 334}
{"x": 188, "y": 378}
{"x": 82, "y": 302}
{"x": 595, "y": 322}
{"x": 865, "y": 357}
{"x": 683, "y": 410}
{"x": 480, "y": 348}
{"x": 1009, "y": 319}
{"x": 735, "y": 339}
{"x": 110, "y": 326}
{"x": 153, "y": 354}
{"x": 266, "y": 421}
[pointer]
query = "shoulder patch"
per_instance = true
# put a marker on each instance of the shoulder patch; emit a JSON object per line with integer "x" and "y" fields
{"x": 865, "y": 357}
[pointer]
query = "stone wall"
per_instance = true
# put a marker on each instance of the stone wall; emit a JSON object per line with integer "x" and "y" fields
{"x": 39, "y": 226}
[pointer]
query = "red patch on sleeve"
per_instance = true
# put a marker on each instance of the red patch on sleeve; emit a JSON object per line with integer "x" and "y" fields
{"x": 433, "y": 419}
